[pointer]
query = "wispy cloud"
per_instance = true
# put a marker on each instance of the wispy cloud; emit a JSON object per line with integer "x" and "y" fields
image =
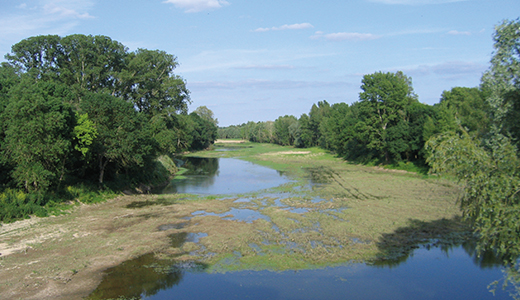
{"x": 286, "y": 27}
{"x": 265, "y": 84}
{"x": 43, "y": 17}
{"x": 456, "y": 32}
{"x": 266, "y": 67}
{"x": 193, "y": 6}
{"x": 415, "y": 2}
{"x": 447, "y": 70}
{"x": 345, "y": 36}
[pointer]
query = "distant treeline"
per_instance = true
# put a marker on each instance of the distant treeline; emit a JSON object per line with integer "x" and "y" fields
{"x": 83, "y": 110}
{"x": 473, "y": 134}
{"x": 387, "y": 125}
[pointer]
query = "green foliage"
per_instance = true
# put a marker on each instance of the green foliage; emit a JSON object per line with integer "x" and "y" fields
{"x": 204, "y": 131}
{"x": 38, "y": 134}
{"x": 15, "y": 204}
{"x": 285, "y": 129}
{"x": 206, "y": 114}
{"x": 501, "y": 83}
{"x": 82, "y": 111}
{"x": 383, "y": 109}
{"x": 84, "y": 133}
{"x": 491, "y": 181}
{"x": 122, "y": 139}
{"x": 149, "y": 83}
{"x": 467, "y": 106}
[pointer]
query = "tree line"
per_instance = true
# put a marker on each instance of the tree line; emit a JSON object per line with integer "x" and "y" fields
{"x": 83, "y": 109}
{"x": 472, "y": 134}
{"x": 387, "y": 125}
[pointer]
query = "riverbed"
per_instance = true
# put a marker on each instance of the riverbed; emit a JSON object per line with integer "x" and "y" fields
{"x": 427, "y": 272}
{"x": 312, "y": 227}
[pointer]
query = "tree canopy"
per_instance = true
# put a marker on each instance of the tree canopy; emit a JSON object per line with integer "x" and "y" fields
{"x": 83, "y": 109}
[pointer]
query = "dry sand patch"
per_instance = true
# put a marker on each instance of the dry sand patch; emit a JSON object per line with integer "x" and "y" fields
{"x": 229, "y": 141}
{"x": 287, "y": 152}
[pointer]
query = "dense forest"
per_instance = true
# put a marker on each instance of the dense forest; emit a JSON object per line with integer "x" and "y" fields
{"x": 472, "y": 134}
{"x": 82, "y": 114}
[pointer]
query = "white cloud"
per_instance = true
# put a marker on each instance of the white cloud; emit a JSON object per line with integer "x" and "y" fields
{"x": 346, "y": 36}
{"x": 266, "y": 67}
{"x": 40, "y": 18}
{"x": 286, "y": 27}
{"x": 455, "y": 32}
{"x": 192, "y": 6}
{"x": 415, "y": 2}
{"x": 65, "y": 12}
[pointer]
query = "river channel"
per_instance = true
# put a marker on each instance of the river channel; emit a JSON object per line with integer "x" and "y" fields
{"x": 447, "y": 272}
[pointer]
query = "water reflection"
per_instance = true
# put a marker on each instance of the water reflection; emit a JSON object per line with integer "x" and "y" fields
{"x": 217, "y": 176}
{"x": 427, "y": 274}
{"x": 142, "y": 277}
{"x": 426, "y": 260}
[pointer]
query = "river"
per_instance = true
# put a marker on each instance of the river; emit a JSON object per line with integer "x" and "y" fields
{"x": 453, "y": 272}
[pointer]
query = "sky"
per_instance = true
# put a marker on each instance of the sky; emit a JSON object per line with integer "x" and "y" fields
{"x": 257, "y": 60}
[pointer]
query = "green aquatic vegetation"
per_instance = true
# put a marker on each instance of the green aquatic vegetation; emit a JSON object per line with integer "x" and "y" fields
{"x": 331, "y": 213}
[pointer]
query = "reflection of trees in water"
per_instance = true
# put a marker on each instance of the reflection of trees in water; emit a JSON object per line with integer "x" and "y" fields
{"x": 446, "y": 234}
{"x": 395, "y": 248}
{"x": 136, "y": 278}
{"x": 200, "y": 166}
{"x": 201, "y": 173}
{"x": 145, "y": 275}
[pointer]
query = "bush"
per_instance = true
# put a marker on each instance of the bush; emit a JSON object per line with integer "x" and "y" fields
{"x": 15, "y": 204}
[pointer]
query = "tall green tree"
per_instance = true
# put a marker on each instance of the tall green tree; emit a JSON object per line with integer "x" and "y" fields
{"x": 468, "y": 107}
{"x": 123, "y": 140}
{"x": 384, "y": 101}
{"x": 206, "y": 114}
{"x": 92, "y": 63}
{"x": 501, "y": 82}
{"x": 304, "y": 137}
{"x": 38, "y": 133}
{"x": 151, "y": 85}
{"x": 283, "y": 132}
{"x": 488, "y": 167}
{"x": 204, "y": 132}
{"x": 8, "y": 79}
{"x": 38, "y": 56}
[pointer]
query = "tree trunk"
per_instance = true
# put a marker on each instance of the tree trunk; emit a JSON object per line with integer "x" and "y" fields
{"x": 102, "y": 166}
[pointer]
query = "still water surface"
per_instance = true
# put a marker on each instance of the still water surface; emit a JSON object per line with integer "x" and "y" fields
{"x": 214, "y": 176}
{"x": 429, "y": 273}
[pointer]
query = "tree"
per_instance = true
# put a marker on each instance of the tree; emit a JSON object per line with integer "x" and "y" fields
{"x": 8, "y": 79}
{"x": 489, "y": 167}
{"x": 206, "y": 114}
{"x": 151, "y": 85}
{"x": 282, "y": 130}
{"x": 304, "y": 137}
{"x": 99, "y": 64}
{"x": 501, "y": 83}
{"x": 37, "y": 55}
{"x": 38, "y": 133}
{"x": 490, "y": 177}
{"x": 204, "y": 132}
{"x": 384, "y": 101}
{"x": 469, "y": 107}
{"x": 92, "y": 63}
{"x": 122, "y": 141}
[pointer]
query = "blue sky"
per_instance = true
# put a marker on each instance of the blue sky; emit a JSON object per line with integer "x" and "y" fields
{"x": 258, "y": 60}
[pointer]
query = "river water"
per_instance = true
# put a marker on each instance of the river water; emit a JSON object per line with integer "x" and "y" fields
{"x": 428, "y": 273}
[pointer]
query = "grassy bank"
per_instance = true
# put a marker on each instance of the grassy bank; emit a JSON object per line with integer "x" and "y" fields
{"x": 330, "y": 213}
